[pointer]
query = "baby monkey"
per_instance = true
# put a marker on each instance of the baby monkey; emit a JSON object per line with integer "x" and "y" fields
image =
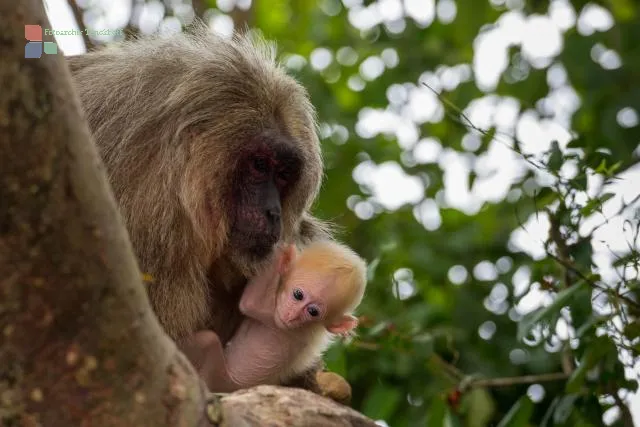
{"x": 293, "y": 311}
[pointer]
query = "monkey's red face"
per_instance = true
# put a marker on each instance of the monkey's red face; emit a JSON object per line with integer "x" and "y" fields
{"x": 299, "y": 304}
{"x": 266, "y": 173}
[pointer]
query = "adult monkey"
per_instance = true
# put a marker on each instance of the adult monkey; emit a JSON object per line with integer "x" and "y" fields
{"x": 212, "y": 154}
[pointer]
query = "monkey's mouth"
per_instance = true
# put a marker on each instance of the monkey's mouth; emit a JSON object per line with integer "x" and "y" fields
{"x": 283, "y": 324}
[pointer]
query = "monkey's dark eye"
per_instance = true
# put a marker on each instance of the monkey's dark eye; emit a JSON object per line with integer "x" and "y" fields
{"x": 313, "y": 311}
{"x": 260, "y": 165}
{"x": 298, "y": 294}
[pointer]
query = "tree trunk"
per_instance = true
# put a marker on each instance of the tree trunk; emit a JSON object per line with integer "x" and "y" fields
{"x": 79, "y": 343}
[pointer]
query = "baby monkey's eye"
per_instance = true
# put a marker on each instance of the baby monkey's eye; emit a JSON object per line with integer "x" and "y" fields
{"x": 298, "y": 294}
{"x": 313, "y": 311}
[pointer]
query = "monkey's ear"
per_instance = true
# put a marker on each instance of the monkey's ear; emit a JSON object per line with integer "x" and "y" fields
{"x": 287, "y": 256}
{"x": 344, "y": 325}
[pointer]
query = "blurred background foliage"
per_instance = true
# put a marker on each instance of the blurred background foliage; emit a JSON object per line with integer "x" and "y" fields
{"x": 480, "y": 154}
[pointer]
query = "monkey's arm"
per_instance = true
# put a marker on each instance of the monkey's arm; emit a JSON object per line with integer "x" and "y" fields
{"x": 258, "y": 299}
{"x": 206, "y": 353}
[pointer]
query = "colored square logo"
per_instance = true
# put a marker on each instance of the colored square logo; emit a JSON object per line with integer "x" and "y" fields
{"x": 50, "y": 48}
{"x": 33, "y": 33}
{"x": 33, "y": 50}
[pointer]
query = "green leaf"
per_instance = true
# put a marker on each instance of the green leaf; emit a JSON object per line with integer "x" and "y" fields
{"x": 451, "y": 420}
{"x": 555, "y": 157}
{"x": 606, "y": 196}
{"x": 577, "y": 143}
{"x": 543, "y": 197}
{"x": 562, "y": 298}
{"x": 587, "y": 327}
{"x": 577, "y": 377}
{"x": 632, "y": 330}
{"x": 613, "y": 168}
{"x": 582, "y": 251}
{"x": 488, "y": 136}
{"x": 437, "y": 413}
{"x": 480, "y": 403}
{"x": 519, "y": 414}
{"x": 580, "y": 306}
{"x": 472, "y": 179}
{"x": 624, "y": 10}
{"x": 580, "y": 181}
{"x": 564, "y": 408}
{"x": 628, "y": 259}
{"x": 595, "y": 204}
{"x": 548, "y": 416}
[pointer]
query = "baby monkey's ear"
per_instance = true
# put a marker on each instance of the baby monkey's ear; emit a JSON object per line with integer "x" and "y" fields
{"x": 344, "y": 325}
{"x": 287, "y": 256}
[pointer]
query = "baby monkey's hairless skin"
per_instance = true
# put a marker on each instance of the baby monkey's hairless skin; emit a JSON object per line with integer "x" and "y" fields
{"x": 293, "y": 310}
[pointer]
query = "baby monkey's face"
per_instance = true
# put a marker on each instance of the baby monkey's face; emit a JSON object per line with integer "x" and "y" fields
{"x": 302, "y": 299}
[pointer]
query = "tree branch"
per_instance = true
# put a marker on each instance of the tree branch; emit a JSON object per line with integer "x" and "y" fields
{"x": 565, "y": 257}
{"x": 593, "y": 284}
{"x": 78, "y": 14}
{"x": 526, "y": 379}
{"x": 266, "y": 405}
{"x": 80, "y": 343}
{"x": 80, "y": 340}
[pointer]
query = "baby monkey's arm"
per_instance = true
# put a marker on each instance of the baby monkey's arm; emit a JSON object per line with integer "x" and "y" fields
{"x": 258, "y": 300}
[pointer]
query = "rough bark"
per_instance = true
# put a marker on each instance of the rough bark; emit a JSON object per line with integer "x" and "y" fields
{"x": 79, "y": 343}
{"x": 280, "y": 407}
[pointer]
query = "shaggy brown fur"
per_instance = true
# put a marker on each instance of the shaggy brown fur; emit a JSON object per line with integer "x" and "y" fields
{"x": 169, "y": 116}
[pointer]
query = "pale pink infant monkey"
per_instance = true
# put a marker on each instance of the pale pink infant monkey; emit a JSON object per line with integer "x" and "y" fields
{"x": 292, "y": 310}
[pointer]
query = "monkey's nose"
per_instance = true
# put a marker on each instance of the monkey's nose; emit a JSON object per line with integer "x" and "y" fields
{"x": 292, "y": 317}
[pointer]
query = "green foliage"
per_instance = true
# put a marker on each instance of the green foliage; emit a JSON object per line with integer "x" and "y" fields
{"x": 434, "y": 329}
{"x": 413, "y": 353}
{"x": 548, "y": 314}
{"x": 519, "y": 414}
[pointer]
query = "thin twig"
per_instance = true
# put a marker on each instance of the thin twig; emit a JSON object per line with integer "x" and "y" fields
{"x": 448, "y": 368}
{"x": 366, "y": 345}
{"x": 591, "y": 283}
{"x": 563, "y": 254}
{"x": 77, "y": 15}
{"x": 623, "y": 208}
{"x": 457, "y": 375}
{"x": 526, "y": 379}
{"x": 467, "y": 123}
